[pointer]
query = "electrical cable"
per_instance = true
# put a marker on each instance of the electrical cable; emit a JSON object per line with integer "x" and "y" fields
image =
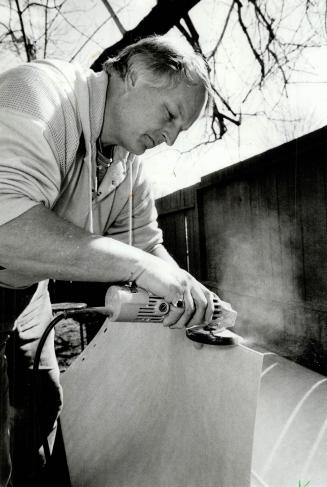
{"x": 35, "y": 383}
{"x": 70, "y": 313}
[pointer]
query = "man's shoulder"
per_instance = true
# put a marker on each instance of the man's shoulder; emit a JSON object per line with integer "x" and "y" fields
{"x": 43, "y": 92}
{"x": 71, "y": 71}
{"x": 40, "y": 87}
{"x": 51, "y": 74}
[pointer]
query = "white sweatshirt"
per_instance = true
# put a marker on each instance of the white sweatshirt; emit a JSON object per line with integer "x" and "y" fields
{"x": 51, "y": 114}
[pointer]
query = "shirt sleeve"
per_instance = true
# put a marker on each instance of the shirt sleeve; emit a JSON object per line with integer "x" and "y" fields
{"x": 29, "y": 172}
{"x": 146, "y": 234}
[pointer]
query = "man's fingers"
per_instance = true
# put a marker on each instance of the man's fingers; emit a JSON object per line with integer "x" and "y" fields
{"x": 186, "y": 314}
{"x": 173, "y": 316}
{"x": 201, "y": 304}
{"x": 188, "y": 311}
{"x": 214, "y": 304}
{"x": 192, "y": 304}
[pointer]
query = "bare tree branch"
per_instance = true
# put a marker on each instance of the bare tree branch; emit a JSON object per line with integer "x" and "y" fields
{"x": 268, "y": 24}
{"x": 73, "y": 26}
{"x": 36, "y": 4}
{"x": 52, "y": 21}
{"x": 26, "y": 42}
{"x": 223, "y": 32}
{"x": 89, "y": 38}
{"x": 247, "y": 35}
{"x": 30, "y": 21}
{"x": 114, "y": 16}
{"x": 45, "y": 29}
{"x": 194, "y": 35}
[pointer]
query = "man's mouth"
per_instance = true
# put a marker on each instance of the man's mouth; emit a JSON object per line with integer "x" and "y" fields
{"x": 149, "y": 142}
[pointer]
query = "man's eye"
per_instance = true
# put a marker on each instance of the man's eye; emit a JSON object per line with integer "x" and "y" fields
{"x": 171, "y": 116}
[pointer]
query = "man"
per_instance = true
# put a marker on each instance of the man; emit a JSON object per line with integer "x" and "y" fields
{"x": 69, "y": 140}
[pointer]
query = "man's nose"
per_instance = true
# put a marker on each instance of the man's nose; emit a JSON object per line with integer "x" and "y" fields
{"x": 172, "y": 134}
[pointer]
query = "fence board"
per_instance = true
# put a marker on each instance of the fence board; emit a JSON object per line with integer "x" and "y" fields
{"x": 173, "y": 227}
{"x": 261, "y": 229}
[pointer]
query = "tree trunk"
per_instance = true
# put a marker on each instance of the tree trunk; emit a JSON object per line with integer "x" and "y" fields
{"x": 165, "y": 15}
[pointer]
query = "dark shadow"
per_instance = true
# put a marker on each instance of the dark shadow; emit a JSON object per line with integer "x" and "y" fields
{"x": 56, "y": 472}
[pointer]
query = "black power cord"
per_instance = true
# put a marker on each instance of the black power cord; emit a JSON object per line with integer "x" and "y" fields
{"x": 66, "y": 311}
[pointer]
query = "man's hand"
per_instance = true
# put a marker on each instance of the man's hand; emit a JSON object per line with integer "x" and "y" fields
{"x": 197, "y": 309}
{"x": 39, "y": 243}
{"x": 176, "y": 285}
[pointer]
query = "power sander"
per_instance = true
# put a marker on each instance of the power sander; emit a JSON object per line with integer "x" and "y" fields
{"x": 133, "y": 304}
{"x": 128, "y": 303}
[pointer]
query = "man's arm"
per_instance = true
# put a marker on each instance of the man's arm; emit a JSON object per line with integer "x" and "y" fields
{"x": 43, "y": 245}
{"x": 161, "y": 252}
{"x": 40, "y": 243}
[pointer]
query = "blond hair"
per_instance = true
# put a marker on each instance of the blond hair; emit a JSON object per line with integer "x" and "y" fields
{"x": 161, "y": 63}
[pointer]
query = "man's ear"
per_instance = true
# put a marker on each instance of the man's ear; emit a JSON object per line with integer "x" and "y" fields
{"x": 130, "y": 79}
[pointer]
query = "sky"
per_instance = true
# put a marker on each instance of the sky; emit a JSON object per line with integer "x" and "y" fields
{"x": 171, "y": 168}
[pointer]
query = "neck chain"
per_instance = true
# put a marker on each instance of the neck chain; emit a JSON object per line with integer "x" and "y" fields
{"x": 103, "y": 161}
{"x": 108, "y": 153}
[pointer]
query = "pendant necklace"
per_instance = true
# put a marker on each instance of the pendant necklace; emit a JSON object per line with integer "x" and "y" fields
{"x": 104, "y": 160}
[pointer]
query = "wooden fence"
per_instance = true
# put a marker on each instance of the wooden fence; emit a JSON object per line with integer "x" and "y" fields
{"x": 257, "y": 232}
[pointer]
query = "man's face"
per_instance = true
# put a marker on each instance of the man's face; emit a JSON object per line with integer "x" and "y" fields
{"x": 148, "y": 116}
